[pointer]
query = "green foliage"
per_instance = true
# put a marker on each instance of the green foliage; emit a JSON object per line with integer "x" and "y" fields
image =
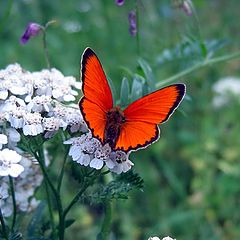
{"x": 124, "y": 94}
{"x": 119, "y": 188}
{"x": 37, "y": 226}
{"x": 16, "y": 236}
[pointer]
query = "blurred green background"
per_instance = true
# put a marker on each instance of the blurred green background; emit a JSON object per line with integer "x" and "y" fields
{"x": 192, "y": 174}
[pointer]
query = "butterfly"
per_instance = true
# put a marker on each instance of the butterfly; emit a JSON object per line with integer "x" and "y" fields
{"x": 132, "y": 128}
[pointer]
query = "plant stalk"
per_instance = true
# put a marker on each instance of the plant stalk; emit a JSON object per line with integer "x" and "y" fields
{"x": 4, "y": 228}
{"x": 46, "y": 54}
{"x": 198, "y": 66}
{"x": 106, "y": 226}
{"x": 14, "y": 203}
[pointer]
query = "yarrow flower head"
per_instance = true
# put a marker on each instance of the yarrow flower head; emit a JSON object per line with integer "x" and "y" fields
{"x": 33, "y": 101}
{"x": 25, "y": 186}
{"x": 88, "y": 151}
{"x": 32, "y": 29}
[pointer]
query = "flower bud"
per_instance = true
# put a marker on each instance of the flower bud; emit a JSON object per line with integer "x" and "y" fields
{"x": 33, "y": 29}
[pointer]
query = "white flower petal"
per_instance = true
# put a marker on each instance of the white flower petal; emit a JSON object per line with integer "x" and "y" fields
{"x": 110, "y": 164}
{"x": 96, "y": 163}
{"x": 3, "y": 94}
{"x": 3, "y": 139}
{"x": 16, "y": 170}
{"x": 68, "y": 98}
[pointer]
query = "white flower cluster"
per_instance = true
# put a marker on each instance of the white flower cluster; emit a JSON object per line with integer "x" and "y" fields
{"x": 25, "y": 186}
{"x": 224, "y": 89}
{"x": 31, "y": 101}
{"x": 88, "y": 151}
{"x": 157, "y": 238}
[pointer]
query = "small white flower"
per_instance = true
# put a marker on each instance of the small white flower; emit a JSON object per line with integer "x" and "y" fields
{"x": 12, "y": 104}
{"x": 96, "y": 163}
{"x": 3, "y": 92}
{"x": 9, "y": 163}
{"x": 168, "y": 238}
{"x": 40, "y": 104}
{"x": 32, "y": 124}
{"x": 16, "y": 117}
{"x": 154, "y": 238}
{"x": 83, "y": 159}
{"x": 122, "y": 163}
{"x": 51, "y": 125}
{"x": 224, "y": 89}
{"x": 75, "y": 120}
{"x": 3, "y": 140}
{"x": 101, "y": 155}
{"x": 13, "y": 137}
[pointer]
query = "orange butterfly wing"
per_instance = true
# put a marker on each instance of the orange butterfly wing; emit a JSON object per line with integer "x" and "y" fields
{"x": 143, "y": 115}
{"x": 97, "y": 99}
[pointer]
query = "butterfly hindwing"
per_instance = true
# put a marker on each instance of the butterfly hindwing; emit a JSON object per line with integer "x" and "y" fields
{"x": 143, "y": 115}
{"x": 97, "y": 99}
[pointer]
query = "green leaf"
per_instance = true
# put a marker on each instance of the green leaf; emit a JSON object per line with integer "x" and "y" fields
{"x": 79, "y": 173}
{"x": 124, "y": 95}
{"x": 137, "y": 87}
{"x": 69, "y": 222}
{"x": 34, "y": 227}
{"x": 113, "y": 89}
{"x": 203, "y": 48}
{"x": 16, "y": 236}
{"x": 116, "y": 189}
{"x": 148, "y": 73}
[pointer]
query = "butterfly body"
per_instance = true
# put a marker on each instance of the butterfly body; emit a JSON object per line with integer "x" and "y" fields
{"x": 134, "y": 127}
{"x": 114, "y": 120}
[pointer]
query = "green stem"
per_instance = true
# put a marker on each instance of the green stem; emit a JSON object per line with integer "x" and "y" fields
{"x": 4, "y": 228}
{"x": 75, "y": 199}
{"x": 14, "y": 203}
{"x": 61, "y": 226}
{"x": 198, "y": 66}
{"x": 106, "y": 226}
{"x": 50, "y": 209}
{"x": 60, "y": 178}
{"x": 81, "y": 191}
{"x": 46, "y": 49}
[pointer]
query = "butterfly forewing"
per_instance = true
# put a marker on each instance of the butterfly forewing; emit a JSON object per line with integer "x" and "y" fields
{"x": 143, "y": 115}
{"x": 97, "y": 99}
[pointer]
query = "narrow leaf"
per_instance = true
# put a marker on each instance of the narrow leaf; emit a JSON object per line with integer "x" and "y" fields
{"x": 147, "y": 72}
{"x": 124, "y": 95}
{"x": 137, "y": 87}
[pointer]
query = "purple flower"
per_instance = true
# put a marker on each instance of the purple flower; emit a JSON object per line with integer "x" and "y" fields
{"x": 119, "y": 2}
{"x": 186, "y": 7}
{"x": 132, "y": 23}
{"x": 32, "y": 30}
